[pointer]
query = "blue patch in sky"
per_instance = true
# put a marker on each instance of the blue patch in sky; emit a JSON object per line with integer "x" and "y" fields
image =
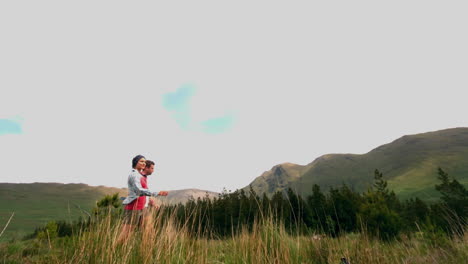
{"x": 218, "y": 125}
{"x": 10, "y": 127}
{"x": 178, "y": 103}
{"x": 178, "y": 100}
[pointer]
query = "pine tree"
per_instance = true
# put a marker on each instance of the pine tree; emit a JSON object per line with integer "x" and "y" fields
{"x": 454, "y": 206}
{"x": 454, "y": 194}
{"x": 380, "y": 185}
{"x": 317, "y": 205}
{"x": 376, "y": 214}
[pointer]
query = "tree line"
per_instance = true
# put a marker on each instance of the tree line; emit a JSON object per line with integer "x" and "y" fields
{"x": 378, "y": 212}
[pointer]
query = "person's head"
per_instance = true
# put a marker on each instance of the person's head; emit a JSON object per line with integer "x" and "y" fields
{"x": 149, "y": 167}
{"x": 138, "y": 162}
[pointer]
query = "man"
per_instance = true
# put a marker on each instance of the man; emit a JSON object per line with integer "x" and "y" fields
{"x": 147, "y": 171}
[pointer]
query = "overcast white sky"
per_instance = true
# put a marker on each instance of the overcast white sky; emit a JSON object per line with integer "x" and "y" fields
{"x": 216, "y": 93}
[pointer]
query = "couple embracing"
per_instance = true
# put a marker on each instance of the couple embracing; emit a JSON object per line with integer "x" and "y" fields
{"x": 138, "y": 194}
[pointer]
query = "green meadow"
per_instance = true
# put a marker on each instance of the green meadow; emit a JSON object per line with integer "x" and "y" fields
{"x": 36, "y": 204}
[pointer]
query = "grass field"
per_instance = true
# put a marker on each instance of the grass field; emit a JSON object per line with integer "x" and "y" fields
{"x": 167, "y": 242}
{"x": 36, "y": 204}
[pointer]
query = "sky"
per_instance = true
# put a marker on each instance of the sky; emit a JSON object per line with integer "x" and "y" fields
{"x": 218, "y": 92}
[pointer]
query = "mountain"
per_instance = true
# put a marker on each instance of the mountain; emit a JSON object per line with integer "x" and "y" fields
{"x": 278, "y": 178}
{"x": 34, "y": 204}
{"x": 409, "y": 164}
{"x": 182, "y": 196}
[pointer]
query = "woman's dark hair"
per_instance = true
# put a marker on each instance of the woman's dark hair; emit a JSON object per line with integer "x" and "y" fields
{"x": 136, "y": 159}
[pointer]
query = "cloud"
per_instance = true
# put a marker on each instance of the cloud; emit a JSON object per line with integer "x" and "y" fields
{"x": 10, "y": 127}
{"x": 218, "y": 125}
{"x": 191, "y": 114}
{"x": 178, "y": 103}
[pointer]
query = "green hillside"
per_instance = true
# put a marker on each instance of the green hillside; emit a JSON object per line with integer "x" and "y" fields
{"x": 409, "y": 164}
{"x": 37, "y": 203}
{"x": 34, "y": 204}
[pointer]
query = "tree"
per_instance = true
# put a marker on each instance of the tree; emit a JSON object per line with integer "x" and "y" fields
{"x": 48, "y": 232}
{"x": 454, "y": 201}
{"x": 380, "y": 185}
{"x": 377, "y": 214}
{"x": 317, "y": 205}
{"x": 343, "y": 207}
{"x": 377, "y": 219}
{"x": 108, "y": 204}
{"x": 415, "y": 212}
{"x": 454, "y": 195}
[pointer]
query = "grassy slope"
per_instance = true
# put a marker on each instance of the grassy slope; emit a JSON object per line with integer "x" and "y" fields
{"x": 409, "y": 164}
{"x": 37, "y": 203}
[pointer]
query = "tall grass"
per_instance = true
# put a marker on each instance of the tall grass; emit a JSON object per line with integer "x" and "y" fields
{"x": 159, "y": 241}
{"x": 165, "y": 240}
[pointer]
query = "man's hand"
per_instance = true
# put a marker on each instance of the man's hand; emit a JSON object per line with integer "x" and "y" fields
{"x": 163, "y": 193}
{"x": 151, "y": 203}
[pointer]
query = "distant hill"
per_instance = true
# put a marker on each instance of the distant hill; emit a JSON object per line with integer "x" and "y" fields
{"x": 279, "y": 177}
{"x": 409, "y": 164}
{"x": 182, "y": 196}
{"x": 34, "y": 204}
